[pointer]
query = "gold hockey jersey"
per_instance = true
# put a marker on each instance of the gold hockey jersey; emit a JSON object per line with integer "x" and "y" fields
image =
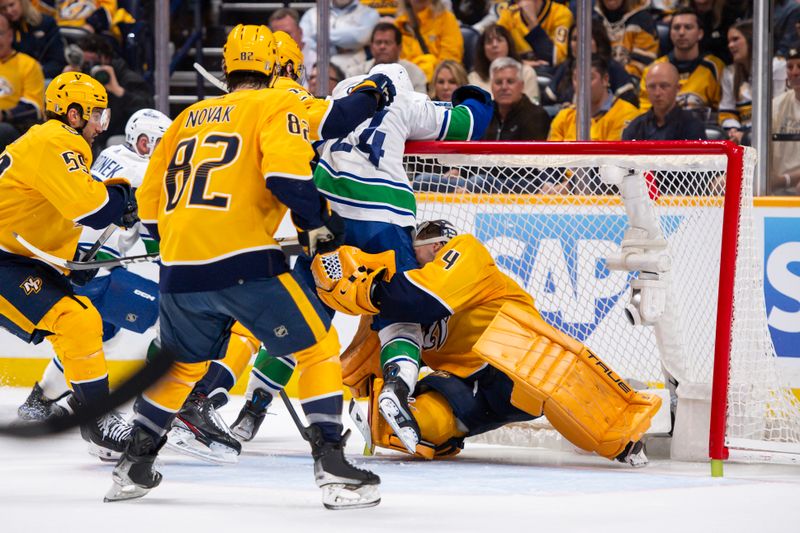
{"x": 318, "y": 108}
{"x": 464, "y": 278}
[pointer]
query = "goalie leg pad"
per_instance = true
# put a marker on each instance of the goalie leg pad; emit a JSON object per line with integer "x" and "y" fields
{"x": 584, "y": 399}
{"x": 361, "y": 359}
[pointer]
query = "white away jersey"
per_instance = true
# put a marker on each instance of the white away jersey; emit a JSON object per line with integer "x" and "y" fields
{"x": 362, "y": 175}
{"x": 119, "y": 161}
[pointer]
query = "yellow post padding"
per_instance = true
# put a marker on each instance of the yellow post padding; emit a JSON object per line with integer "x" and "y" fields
{"x": 584, "y": 399}
{"x": 171, "y": 391}
{"x": 241, "y": 347}
{"x": 361, "y": 359}
{"x": 326, "y": 348}
{"x": 77, "y": 338}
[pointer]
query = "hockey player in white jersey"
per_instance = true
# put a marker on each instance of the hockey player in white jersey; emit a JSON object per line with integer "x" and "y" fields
{"x": 125, "y": 300}
{"x": 364, "y": 179}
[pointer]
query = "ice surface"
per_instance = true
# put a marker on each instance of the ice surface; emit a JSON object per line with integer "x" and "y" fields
{"x": 52, "y": 484}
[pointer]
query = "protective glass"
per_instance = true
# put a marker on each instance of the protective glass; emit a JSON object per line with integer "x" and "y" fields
{"x": 100, "y": 117}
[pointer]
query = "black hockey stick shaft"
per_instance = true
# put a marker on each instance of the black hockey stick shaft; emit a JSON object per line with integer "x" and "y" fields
{"x": 293, "y": 413}
{"x": 91, "y": 252}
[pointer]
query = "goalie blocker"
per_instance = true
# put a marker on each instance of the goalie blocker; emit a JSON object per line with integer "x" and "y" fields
{"x": 495, "y": 359}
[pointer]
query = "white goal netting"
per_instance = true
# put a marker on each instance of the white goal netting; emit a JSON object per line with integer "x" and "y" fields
{"x": 555, "y": 246}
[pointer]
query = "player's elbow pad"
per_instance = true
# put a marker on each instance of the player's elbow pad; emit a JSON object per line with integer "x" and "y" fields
{"x": 347, "y": 113}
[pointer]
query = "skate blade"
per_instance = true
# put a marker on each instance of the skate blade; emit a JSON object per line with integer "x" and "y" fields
{"x": 104, "y": 454}
{"x": 183, "y": 441}
{"x": 407, "y": 436}
{"x": 243, "y": 434}
{"x": 638, "y": 460}
{"x": 339, "y": 497}
{"x": 121, "y": 492}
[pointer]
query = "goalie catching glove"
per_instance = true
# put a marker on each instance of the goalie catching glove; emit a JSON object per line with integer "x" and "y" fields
{"x": 325, "y": 238}
{"x": 345, "y": 278}
{"x": 381, "y": 86}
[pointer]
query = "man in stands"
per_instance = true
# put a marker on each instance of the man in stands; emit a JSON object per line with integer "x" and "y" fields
{"x": 786, "y": 121}
{"x": 665, "y": 120}
{"x": 515, "y": 117}
{"x": 288, "y": 19}
{"x": 384, "y": 46}
{"x": 700, "y": 73}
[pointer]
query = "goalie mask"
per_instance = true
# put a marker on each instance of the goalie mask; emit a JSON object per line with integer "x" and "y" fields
{"x": 432, "y": 231}
{"x": 147, "y": 122}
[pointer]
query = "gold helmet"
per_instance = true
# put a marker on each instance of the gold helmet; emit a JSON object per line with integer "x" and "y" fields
{"x": 75, "y": 88}
{"x": 289, "y": 51}
{"x": 250, "y": 48}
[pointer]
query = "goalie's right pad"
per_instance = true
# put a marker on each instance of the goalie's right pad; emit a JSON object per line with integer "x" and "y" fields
{"x": 344, "y": 278}
{"x": 586, "y": 401}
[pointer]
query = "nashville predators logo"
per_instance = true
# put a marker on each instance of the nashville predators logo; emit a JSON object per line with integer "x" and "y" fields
{"x": 31, "y": 285}
{"x": 5, "y": 87}
{"x": 76, "y": 9}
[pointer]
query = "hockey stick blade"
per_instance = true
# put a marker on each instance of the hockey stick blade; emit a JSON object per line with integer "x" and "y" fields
{"x": 210, "y": 78}
{"x": 360, "y": 421}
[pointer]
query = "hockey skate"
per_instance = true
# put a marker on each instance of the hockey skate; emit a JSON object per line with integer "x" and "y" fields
{"x": 393, "y": 405}
{"x": 199, "y": 431}
{"x": 633, "y": 454}
{"x": 251, "y": 416}
{"x": 37, "y": 408}
{"x": 343, "y": 485}
{"x": 107, "y": 435}
{"x": 135, "y": 473}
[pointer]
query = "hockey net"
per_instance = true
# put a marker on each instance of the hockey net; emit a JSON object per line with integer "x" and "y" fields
{"x": 555, "y": 246}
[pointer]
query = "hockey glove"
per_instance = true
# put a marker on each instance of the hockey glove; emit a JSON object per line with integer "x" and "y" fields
{"x": 470, "y": 91}
{"x": 130, "y": 214}
{"x": 381, "y": 86}
{"x": 80, "y": 278}
{"x": 322, "y": 239}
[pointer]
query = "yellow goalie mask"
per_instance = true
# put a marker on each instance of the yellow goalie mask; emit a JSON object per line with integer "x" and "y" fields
{"x": 75, "y": 88}
{"x": 345, "y": 278}
{"x": 250, "y": 48}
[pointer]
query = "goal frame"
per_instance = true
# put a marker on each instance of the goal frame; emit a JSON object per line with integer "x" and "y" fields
{"x": 717, "y": 450}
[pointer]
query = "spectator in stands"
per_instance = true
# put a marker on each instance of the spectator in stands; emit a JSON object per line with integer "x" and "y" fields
{"x": 716, "y": 16}
{"x": 448, "y": 76}
{"x": 785, "y": 18}
{"x": 515, "y": 117}
{"x": 786, "y": 124}
{"x": 127, "y": 90}
{"x": 539, "y": 29}
{"x": 736, "y": 106}
{"x": 387, "y": 9}
{"x": 384, "y": 45}
{"x": 700, "y": 74}
{"x": 469, "y": 12}
{"x": 632, "y": 31}
{"x": 21, "y": 88}
{"x": 100, "y": 17}
{"x": 335, "y": 75}
{"x": 610, "y": 114}
{"x": 288, "y": 19}
{"x": 496, "y": 42}
{"x": 35, "y": 34}
{"x": 431, "y": 34}
{"x": 560, "y": 90}
{"x": 351, "y": 23}
{"x": 665, "y": 119}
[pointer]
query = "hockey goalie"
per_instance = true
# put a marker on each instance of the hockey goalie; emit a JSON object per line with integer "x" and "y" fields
{"x": 494, "y": 359}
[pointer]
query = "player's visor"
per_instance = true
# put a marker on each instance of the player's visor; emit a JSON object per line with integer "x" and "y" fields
{"x": 100, "y": 117}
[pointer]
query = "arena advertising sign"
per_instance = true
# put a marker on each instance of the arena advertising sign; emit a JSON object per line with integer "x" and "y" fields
{"x": 782, "y": 282}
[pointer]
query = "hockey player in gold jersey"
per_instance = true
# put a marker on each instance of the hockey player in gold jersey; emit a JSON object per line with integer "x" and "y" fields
{"x": 495, "y": 359}
{"x": 46, "y": 195}
{"x": 216, "y": 189}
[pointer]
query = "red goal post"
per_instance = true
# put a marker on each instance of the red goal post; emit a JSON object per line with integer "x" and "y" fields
{"x": 702, "y": 194}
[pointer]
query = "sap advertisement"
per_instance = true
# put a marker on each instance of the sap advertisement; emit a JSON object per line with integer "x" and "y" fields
{"x": 782, "y": 282}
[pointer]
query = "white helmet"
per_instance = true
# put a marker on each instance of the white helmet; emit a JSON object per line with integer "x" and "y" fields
{"x": 397, "y": 73}
{"x": 146, "y": 122}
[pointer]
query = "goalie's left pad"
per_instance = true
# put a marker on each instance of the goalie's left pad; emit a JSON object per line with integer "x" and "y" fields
{"x": 361, "y": 360}
{"x": 345, "y": 278}
{"x": 554, "y": 374}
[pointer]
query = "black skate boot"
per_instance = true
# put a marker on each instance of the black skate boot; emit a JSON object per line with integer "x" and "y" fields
{"x": 37, "y": 408}
{"x": 393, "y": 405}
{"x": 135, "y": 473}
{"x": 199, "y": 431}
{"x": 343, "y": 485}
{"x": 107, "y": 435}
{"x": 633, "y": 454}
{"x": 251, "y": 416}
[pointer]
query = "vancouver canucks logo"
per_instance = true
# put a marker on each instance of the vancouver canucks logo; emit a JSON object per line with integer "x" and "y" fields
{"x": 560, "y": 260}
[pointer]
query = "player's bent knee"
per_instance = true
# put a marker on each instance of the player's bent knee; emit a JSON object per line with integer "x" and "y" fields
{"x": 326, "y": 348}
{"x": 76, "y": 327}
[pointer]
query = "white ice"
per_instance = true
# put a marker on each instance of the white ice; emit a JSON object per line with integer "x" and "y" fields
{"x": 52, "y": 484}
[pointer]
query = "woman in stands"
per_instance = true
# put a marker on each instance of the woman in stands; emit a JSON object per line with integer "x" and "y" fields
{"x": 35, "y": 34}
{"x": 736, "y": 105}
{"x": 496, "y": 42}
{"x": 448, "y": 76}
{"x": 560, "y": 91}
